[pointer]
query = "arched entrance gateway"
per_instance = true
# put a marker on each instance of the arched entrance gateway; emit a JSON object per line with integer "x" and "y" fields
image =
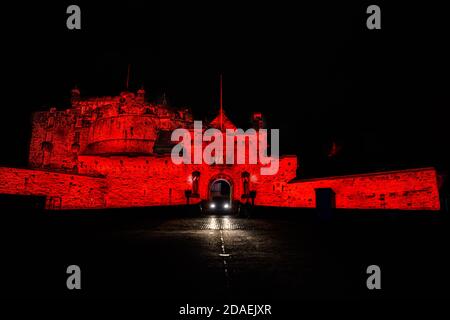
{"x": 220, "y": 195}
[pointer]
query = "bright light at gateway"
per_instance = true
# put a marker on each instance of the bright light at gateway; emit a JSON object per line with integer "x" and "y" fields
{"x": 226, "y": 205}
{"x": 212, "y": 205}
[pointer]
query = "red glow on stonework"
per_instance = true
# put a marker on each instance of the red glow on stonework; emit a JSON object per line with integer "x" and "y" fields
{"x": 112, "y": 152}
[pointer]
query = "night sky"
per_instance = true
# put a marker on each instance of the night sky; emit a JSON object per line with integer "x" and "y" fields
{"x": 314, "y": 70}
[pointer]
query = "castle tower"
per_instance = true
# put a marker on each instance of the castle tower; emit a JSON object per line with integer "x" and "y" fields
{"x": 257, "y": 120}
{"x": 140, "y": 95}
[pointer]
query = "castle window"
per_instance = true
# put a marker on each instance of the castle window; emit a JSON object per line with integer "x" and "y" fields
{"x": 50, "y": 122}
{"x": 47, "y": 146}
{"x": 76, "y": 138}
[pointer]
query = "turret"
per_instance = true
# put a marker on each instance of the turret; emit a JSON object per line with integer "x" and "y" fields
{"x": 75, "y": 96}
{"x": 257, "y": 120}
{"x": 140, "y": 95}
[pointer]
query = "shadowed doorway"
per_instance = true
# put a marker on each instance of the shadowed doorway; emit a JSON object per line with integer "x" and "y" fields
{"x": 220, "y": 190}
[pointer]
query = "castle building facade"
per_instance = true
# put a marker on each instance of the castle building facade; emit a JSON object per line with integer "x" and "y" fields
{"x": 115, "y": 152}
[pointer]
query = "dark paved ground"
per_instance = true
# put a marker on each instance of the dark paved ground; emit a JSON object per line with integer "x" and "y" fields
{"x": 279, "y": 255}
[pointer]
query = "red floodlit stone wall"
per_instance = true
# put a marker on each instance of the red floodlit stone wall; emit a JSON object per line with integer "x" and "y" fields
{"x": 415, "y": 189}
{"x": 63, "y": 191}
{"x": 123, "y": 134}
{"x": 153, "y": 180}
{"x": 139, "y": 181}
{"x": 125, "y": 124}
{"x": 150, "y": 181}
{"x": 53, "y": 140}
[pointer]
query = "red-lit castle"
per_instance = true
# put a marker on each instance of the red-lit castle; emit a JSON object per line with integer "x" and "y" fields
{"x": 113, "y": 152}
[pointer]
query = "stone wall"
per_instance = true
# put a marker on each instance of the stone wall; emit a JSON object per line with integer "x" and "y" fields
{"x": 125, "y": 124}
{"x": 415, "y": 189}
{"x": 57, "y": 138}
{"x": 63, "y": 191}
{"x": 155, "y": 180}
{"x": 149, "y": 181}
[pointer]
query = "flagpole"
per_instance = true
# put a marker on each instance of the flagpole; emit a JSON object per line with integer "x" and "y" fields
{"x": 128, "y": 76}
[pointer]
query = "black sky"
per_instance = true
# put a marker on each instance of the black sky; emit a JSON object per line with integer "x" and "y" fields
{"x": 313, "y": 69}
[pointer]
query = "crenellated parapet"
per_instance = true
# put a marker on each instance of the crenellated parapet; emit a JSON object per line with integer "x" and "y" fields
{"x": 123, "y": 124}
